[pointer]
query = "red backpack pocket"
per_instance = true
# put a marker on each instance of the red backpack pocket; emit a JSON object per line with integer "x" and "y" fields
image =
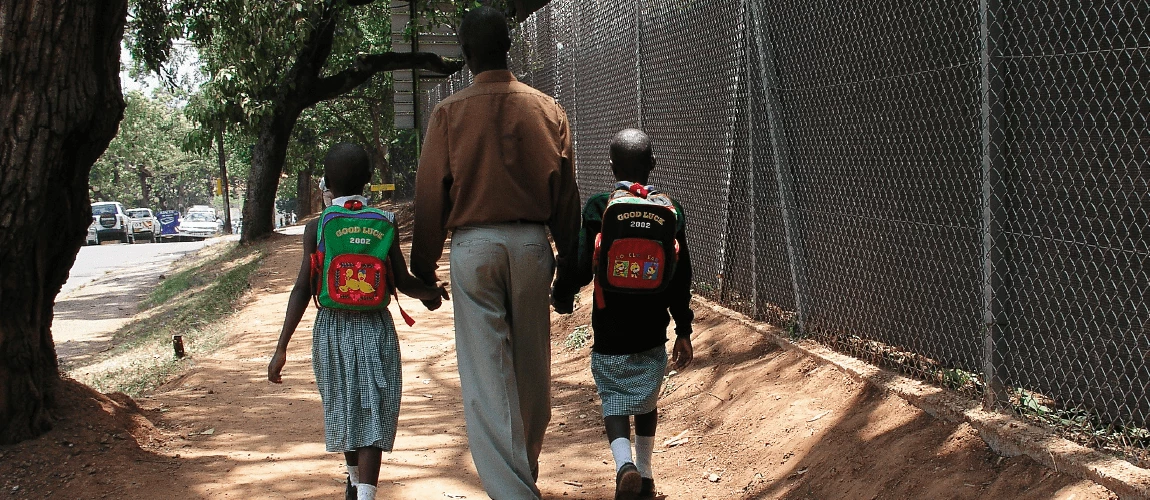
{"x": 636, "y": 264}
{"x": 357, "y": 280}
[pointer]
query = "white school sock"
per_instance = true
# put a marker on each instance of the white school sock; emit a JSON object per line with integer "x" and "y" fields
{"x": 644, "y": 447}
{"x": 365, "y": 491}
{"x": 353, "y": 474}
{"x": 621, "y": 450}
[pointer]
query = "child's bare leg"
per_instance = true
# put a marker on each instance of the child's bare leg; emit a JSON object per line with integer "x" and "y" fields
{"x": 369, "y": 459}
{"x": 351, "y": 458}
{"x": 618, "y": 426}
{"x": 645, "y": 425}
{"x": 619, "y": 435}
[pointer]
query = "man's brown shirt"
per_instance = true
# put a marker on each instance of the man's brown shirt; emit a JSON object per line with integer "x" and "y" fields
{"x": 498, "y": 151}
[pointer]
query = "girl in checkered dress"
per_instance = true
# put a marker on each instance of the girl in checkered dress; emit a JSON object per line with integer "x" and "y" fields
{"x": 629, "y": 356}
{"x": 355, "y": 354}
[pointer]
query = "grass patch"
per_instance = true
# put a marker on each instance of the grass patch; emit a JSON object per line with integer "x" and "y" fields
{"x": 191, "y": 303}
{"x": 193, "y": 275}
{"x": 169, "y": 288}
{"x": 578, "y": 337}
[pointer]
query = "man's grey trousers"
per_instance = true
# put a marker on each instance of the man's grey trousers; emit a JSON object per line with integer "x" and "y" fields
{"x": 501, "y": 278}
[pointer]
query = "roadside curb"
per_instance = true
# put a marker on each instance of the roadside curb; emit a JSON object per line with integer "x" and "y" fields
{"x": 1005, "y": 434}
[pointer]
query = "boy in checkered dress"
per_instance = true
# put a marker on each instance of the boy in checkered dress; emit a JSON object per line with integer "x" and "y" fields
{"x": 629, "y": 357}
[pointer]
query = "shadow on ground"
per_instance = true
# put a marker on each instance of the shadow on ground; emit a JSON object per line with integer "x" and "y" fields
{"x": 760, "y": 423}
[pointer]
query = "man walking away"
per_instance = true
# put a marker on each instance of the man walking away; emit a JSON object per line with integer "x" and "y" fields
{"x": 497, "y": 171}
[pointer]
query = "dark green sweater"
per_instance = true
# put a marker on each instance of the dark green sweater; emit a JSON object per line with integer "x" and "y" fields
{"x": 632, "y": 323}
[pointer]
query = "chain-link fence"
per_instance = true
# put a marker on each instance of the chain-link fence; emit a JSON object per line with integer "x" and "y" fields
{"x": 956, "y": 188}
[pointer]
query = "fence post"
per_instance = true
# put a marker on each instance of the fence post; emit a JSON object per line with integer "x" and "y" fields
{"x": 752, "y": 179}
{"x": 783, "y": 174}
{"x": 995, "y": 263}
{"x": 729, "y": 160}
{"x": 639, "y": 64}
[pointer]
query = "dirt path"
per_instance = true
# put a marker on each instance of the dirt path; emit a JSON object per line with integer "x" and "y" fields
{"x": 759, "y": 423}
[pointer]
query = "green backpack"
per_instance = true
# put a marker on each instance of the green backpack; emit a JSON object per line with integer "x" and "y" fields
{"x": 349, "y": 269}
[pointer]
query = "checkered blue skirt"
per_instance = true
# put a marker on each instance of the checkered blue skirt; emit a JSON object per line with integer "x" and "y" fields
{"x": 355, "y": 356}
{"x": 629, "y": 384}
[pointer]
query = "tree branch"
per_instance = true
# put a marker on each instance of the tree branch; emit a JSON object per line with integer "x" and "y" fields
{"x": 361, "y": 97}
{"x": 351, "y": 127}
{"x": 367, "y": 65}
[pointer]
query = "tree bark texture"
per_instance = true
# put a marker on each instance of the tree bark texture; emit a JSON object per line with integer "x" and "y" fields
{"x": 60, "y": 104}
{"x": 145, "y": 189}
{"x": 267, "y": 166}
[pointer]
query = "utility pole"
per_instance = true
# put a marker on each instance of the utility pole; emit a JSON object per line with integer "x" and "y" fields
{"x": 414, "y": 20}
{"x": 224, "y": 180}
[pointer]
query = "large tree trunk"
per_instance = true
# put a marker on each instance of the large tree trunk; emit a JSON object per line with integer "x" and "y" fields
{"x": 60, "y": 103}
{"x": 145, "y": 190}
{"x": 267, "y": 166}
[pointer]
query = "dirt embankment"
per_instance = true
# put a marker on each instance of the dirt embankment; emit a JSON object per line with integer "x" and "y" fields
{"x": 755, "y": 422}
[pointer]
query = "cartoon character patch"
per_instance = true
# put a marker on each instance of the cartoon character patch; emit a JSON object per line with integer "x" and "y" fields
{"x": 650, "y": 270}
{"x": 358, "y": 279}
{"x": 636, "y": 267}
{"x": 620, "y": 268}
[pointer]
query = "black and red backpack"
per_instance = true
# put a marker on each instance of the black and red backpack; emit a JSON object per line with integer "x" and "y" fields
{"x": 636, "y": 250}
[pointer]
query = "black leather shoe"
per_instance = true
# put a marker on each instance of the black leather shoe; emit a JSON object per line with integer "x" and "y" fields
{"x": 349, "y": 493}
{"x": 647, "y": 492}
{"x": 628, "y": 482}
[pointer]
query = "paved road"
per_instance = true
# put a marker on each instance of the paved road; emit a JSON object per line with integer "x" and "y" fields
{"x": 106, "y": 284}
{"x": 95, "y": 261}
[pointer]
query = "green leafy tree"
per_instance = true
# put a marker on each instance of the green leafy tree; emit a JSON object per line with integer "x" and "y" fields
{"x": 268, "y": 62}
{"x": 365, "y": 117}
{"x": 145, "y": 164}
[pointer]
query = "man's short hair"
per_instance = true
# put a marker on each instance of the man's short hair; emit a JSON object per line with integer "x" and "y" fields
{"x": 346, "y": 168}
{"x": 484, "y": 32}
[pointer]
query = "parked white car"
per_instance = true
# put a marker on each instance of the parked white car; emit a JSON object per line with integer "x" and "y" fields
{"x": 92, "y": 239}
{"x": 204, "y": 209}
{"x": 144, "y": 224}
{"x": 199, "y": 225}
{"x": 112, "y": 222}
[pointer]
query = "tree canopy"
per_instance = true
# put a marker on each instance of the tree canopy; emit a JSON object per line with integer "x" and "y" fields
{"x": 145, "y": 164}
{"x": 266, "y": 63}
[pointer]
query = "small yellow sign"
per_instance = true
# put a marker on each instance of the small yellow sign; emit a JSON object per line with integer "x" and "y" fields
{"x": 382, "y": 187}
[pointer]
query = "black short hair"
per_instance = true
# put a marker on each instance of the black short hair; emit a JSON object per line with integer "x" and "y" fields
{"x": 346, "y": 168}
{"x": 484, "y": 34}
{"x": 631, "y": 153}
